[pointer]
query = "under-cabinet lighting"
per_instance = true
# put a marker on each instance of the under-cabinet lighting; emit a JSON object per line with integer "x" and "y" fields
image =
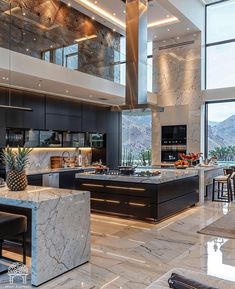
{"x": 86, "y": 38}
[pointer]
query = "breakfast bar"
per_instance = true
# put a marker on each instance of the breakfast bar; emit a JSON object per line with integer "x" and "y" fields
{"x": 60, "y": 228}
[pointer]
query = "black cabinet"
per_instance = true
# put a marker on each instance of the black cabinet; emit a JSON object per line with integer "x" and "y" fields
{"x": 62, "y": 107}
{"x": 36, "y": 118}
{"x": 102, "y": 120}
{"x": 63, "y": 122}
{"x": 89, "y": 118}
{"x": 67, "y": 180}
{"x": 35, "y": 180}
{"x": 15, "y": 118}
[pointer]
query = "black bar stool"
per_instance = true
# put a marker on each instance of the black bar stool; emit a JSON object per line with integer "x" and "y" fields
{"x": 221, "y": 182}
{"x": 12, "y": 225}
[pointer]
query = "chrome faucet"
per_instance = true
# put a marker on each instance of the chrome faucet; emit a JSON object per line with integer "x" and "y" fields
{"x": 64, "y": 162}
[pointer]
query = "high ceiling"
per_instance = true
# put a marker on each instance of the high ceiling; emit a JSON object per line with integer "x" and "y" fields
{"x": 163, "y": 19}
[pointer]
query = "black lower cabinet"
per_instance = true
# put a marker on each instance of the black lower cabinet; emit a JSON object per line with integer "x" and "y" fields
{"x": 67, "y": 180}
{"x": 35, "y": 180}
{"x": 152, "y": 202}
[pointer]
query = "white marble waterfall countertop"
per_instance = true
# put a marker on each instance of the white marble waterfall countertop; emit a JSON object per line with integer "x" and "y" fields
{"x": 34, "y": 195}
{"x": 167, "y": 175}
{"x": 60, "y": 228}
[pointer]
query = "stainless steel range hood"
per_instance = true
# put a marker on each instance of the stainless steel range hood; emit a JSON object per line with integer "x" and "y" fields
{"x": 136, "y": 57}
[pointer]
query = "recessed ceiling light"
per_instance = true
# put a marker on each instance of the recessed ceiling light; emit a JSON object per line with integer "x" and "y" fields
{"x": 66, "y": 91}
{"x": 34, "y": 39}
{"x": 114, "y": 29}
{"x": 167, "y": 16}
{"x": 114, "y": 14}
{"x": 51, "y": 46}
{"x": 93, "y": 18}
{"x": 168, "y": 29}
{"x": 3, "y": 77}
{"x": 124, "y": 11}
{"x": 23, "y": 13}
{"x": 69, "y": 4}
{"x": 188, "y": 28}
{"x": 96, "y": 2}
{"x": 27, "y": 49}
{"x": 177, "y": 37}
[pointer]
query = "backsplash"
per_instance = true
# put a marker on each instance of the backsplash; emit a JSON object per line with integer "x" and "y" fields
{"x": 40, "y": 157}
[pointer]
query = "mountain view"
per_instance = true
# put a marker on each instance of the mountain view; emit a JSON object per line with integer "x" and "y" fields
{"x": 136, "y": 135}
{"x": 221, "y": 139}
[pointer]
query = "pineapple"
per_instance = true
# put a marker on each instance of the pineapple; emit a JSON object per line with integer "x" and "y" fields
{"x": 15, "y": 165}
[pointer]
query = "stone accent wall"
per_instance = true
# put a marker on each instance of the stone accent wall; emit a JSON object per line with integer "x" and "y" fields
{"x": 177, "y": 74}
{"x": 38, "y": 26}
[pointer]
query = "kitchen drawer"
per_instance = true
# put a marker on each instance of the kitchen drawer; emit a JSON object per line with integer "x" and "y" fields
{"x": 121, "y": 204}
{"x": 35, "y": 180}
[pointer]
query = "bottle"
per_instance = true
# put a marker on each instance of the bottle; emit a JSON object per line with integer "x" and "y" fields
{"x": 80, "y": 159}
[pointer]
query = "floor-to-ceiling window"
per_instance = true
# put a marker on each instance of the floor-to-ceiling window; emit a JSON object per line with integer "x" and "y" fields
{"x": 220, "y": 44}
{"x": 122, "y": 64}
{"x": 136, "y": 138}
{"x": 221, "y": 131}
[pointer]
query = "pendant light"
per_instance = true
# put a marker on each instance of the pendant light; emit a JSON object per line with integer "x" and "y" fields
{"x": 10, "y": 106}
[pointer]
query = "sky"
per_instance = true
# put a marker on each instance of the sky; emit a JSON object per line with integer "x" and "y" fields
{"x": 221, "y": 111}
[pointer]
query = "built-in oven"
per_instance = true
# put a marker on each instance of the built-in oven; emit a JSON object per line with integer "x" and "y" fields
{"x": 171, "y": 155}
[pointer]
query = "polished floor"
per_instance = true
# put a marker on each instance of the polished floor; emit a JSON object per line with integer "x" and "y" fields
{"x": 131, "y": 255}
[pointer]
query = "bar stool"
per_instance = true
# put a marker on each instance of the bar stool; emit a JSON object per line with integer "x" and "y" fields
{"x": 10, "y": 226}
{"x": 221, "y": 181}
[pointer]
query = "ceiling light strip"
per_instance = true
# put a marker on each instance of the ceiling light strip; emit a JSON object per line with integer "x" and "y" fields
{"x": 110, "y": 17}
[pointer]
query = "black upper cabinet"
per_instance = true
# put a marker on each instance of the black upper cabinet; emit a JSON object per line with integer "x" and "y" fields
{"x": 3, "y": 100}
{"x": 102, "y": 120}
{"x": 62, "y": 107}
{"x": 15, "y": 118}
{"x": 89, "y": 118}
{"x": 63, "y": 115}
{"x": 36, "y": 118}
{"x": 63, "y": 122}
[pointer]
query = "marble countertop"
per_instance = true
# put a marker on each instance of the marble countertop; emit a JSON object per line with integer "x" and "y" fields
{"x": 49, "y": 171}
{"x": 34, "y": 196}
{"x": 167, "y": 175}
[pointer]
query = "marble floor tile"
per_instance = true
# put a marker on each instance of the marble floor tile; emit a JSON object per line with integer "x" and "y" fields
{"x": 129, "y": 254}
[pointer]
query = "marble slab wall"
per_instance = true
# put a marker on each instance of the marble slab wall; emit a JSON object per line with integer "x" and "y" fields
{"x": 177, "y": 82}
{"x": 40, "y": 157}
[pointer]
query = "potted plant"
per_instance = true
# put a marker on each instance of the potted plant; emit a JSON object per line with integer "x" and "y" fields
{"x": 16, "y": 162}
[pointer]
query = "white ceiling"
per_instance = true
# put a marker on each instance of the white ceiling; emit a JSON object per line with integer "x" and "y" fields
{"x": 157, "y": 12}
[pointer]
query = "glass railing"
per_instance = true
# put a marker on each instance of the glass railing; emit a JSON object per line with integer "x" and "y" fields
{"x": 43, "y": 30}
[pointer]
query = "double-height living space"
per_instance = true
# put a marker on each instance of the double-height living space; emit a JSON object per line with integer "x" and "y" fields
{"x": 117, "y": 144}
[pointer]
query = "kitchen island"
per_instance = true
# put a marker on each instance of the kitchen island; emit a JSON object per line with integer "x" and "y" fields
{"x": 60, "y": 228}
{"x": 149, "y": 198}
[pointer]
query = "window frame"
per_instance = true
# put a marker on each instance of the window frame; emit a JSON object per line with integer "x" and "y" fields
{"x": 232, "y": 40}
{"x": 207, "y": 103}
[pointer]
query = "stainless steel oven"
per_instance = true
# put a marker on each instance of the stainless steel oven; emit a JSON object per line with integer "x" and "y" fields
{"x": 171, "y": 155}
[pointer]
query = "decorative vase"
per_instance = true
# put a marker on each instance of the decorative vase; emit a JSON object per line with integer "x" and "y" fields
{"x": 16, "y": 180}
